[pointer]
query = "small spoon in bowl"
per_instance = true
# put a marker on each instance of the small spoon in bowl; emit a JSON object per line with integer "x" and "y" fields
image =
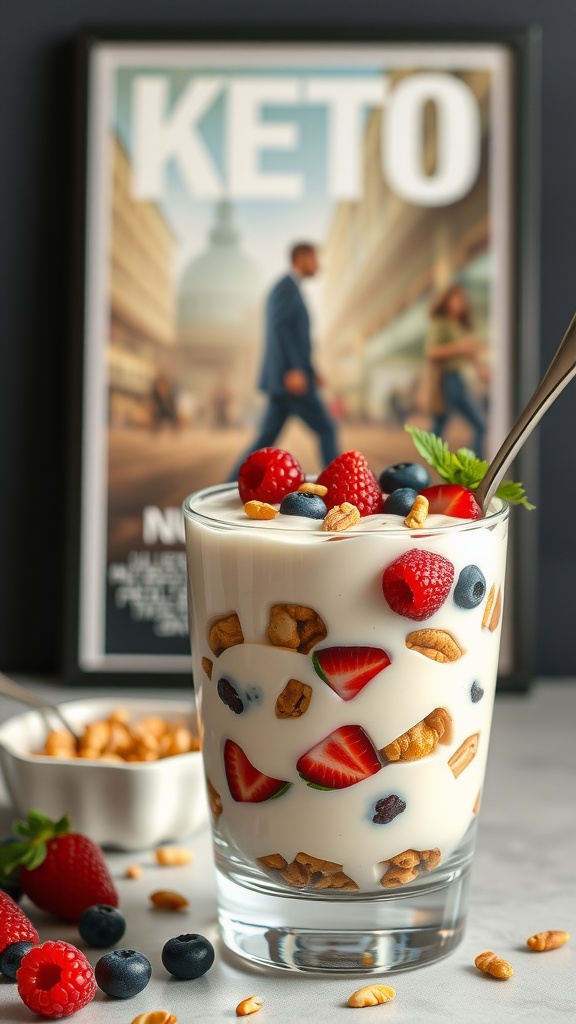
{"x": 560, "y": 372}
{"x": 11, "y": 689}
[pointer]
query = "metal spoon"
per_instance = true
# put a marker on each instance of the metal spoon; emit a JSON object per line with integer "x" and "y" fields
{"x": 558, "y": 375}
{"x": 11, "y": 689}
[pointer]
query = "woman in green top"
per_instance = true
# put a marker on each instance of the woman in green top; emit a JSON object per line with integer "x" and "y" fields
{"x": 450, "y": 347}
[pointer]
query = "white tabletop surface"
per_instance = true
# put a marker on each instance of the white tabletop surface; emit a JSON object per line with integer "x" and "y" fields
{"x": 524, "y": 881}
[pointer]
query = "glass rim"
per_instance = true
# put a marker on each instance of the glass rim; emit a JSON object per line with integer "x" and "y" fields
{"x": 498, "y": 515}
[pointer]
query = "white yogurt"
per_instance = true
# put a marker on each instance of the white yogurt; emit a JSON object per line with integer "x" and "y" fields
{"x": 243, "y": 566}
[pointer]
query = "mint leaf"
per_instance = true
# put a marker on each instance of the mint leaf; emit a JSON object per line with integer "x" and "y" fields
{"x": 462, "y": 467}
{"x": 467, "y": 469}
{"x": 514, "y": 494}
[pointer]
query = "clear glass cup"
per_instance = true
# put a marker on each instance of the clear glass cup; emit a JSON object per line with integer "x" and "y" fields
{"x": 345, "y": 684}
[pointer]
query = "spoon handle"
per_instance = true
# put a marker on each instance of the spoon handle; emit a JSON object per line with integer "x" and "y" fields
{"x": 558, "y": 375}
{"x": 11, "y": 689}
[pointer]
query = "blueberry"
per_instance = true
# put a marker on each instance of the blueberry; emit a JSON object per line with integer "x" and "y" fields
{"x": 404, "y": 474}
{"x": 299, "y": 503}
{"x": 101, "y": 925}
{"x": 254, "y": 695}
{"x": 400, "y": 501}
{"x": 11, "y": 958}
{"x": 470, "y": 588}
{"x": 123, "y": 973}
{"x": 229, "y": 696}
{"x": 388, "y": 808}
{"x": 476, "y": 693}
{"x": 188, "y": 956}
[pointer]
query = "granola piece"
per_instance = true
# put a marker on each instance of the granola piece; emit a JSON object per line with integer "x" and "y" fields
{"x": 496, "y": 611}
{"x": 214, "y": 800}
{"x": 294, "y": 700}
{"x": 165, "y": 899}
{"x": 436, "y": 644}
{"x": 488, "y": 607}
{"x": 172, "y": 856}
{"x": 489, "y": 963}
{"x": 260, "y": 510}
{"x": 395, "y": 876}
{"x": 224, "y": 633}
{"x": 327, "y": 867}
{"x": 430, "y": 859}
{"x": 297, "y": 875}
{"x": 342, "y": 882}
{"x": 249, "y": 1005}
{"x": 311, "y": 488}
{"x": 422, "y": 739}
{"x": 307, "y": 870}
{"x": 341, "y": 517}
{"x": 543, "y": 941}
{"x": 418, "y": 513}
{"x": 405, "y": 867}
{"x": 274, "y": 860}
{"x": 296, "y": 627}
{"x": 466, "y": 753}
{"x": 207, "y": 666}
{"x": 371, "y": 995}
{"x": 407, "y": 859}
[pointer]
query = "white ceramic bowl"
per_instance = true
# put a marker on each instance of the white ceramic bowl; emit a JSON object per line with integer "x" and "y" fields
{"x": 122, "y": 805}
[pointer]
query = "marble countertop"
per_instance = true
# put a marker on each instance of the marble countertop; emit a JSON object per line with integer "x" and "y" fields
{"x": 523, "y": 882}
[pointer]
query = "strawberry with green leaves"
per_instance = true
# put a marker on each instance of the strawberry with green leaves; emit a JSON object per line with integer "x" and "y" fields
{"x": 61, "y": 871}
{"x": 462, "y": 471}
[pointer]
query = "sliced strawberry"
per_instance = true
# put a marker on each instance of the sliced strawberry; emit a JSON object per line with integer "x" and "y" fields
{"x": 246, "y": 783}
{"x": 348, "y": 669}
{"x": 342, "y": 759}
{"x": 452, "y": 500}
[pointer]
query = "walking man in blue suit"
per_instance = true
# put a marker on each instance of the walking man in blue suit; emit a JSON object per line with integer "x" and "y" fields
{"x": 287, "y": 375}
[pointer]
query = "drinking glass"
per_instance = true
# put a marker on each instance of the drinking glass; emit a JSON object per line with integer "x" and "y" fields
{"x": 345, "y": 684}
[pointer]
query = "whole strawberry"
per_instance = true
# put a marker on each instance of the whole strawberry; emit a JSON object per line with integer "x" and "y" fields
{"x": 61, "y": 871}
{"x": 349, "y": 478}
{"x": 14, "y": 925}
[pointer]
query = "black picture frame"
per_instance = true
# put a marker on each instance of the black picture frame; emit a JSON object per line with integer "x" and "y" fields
{"x": 522, "y": 47}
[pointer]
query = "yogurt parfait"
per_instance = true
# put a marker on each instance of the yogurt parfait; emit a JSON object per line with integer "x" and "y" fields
{"x": 345, "y": 644}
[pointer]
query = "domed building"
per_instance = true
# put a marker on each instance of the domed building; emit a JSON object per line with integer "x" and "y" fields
{"x": 219, "y": 312}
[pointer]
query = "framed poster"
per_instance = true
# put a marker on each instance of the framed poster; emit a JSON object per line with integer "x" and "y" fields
{"x": 406, "y": 161}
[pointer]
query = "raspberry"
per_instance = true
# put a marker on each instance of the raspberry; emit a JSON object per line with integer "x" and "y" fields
{"x": 269, "y": 474}
{"x": 417, "y": 583}
{"x": 349, "y": 478}
{"x": 14, "y": 924}
{"x": 55, "y": 979}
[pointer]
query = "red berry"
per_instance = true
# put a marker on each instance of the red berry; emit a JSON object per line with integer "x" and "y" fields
{"x": 14, "y": 925}
{"x": 417, "y": 583}
{"x": 452, "y": 500}
{"x": 343, "y": 758}
{"x": 61, "y": 871}
{"x": 248, "y": 784}
{"x": 269, "y": 475}
{"x": 55, "y": 979}
{"x": 347, "y": 670}
{"x": 73, "y": 876}
{"x": 349, "y": 478}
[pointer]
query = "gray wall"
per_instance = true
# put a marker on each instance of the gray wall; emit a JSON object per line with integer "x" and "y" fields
{"x": 35, "y": 180}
